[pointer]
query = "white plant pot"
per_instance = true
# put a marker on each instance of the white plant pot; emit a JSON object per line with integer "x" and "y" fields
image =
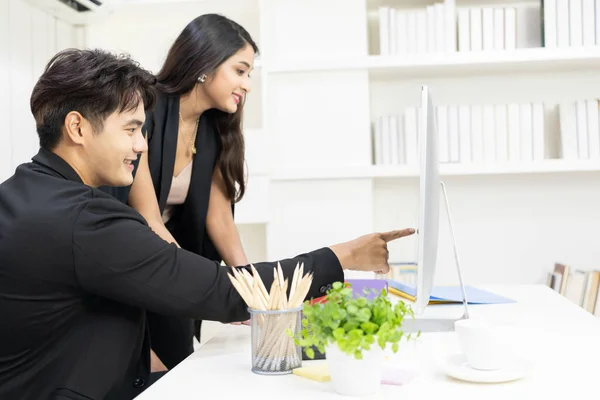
{"x": 352, "y": 377}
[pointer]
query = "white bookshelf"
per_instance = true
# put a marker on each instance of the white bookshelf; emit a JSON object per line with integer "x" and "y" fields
{"x": 319, "y": 85}
{"x": 447, "y": 64}
{"x": 473, "y": 169}
{"x": 323, "y": 90}
{"x": 373, "y": 4}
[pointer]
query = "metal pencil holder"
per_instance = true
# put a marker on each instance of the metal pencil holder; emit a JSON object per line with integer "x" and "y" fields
{"x": 274, "y": 352}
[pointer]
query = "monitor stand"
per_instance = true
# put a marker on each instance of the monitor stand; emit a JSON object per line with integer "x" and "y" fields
{"x": 424, "y": 324}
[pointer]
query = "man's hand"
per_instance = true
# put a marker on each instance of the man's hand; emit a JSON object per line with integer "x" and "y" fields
{"x": 368, "y": 252}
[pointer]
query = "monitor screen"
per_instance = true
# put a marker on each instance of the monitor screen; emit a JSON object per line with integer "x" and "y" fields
{"x": 429, "y": 201}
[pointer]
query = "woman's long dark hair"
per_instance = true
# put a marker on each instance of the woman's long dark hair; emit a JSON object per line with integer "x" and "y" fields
{"x": 203, "y": 45}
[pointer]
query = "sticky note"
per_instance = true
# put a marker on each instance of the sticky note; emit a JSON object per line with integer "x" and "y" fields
{"x": 317, "y": 372}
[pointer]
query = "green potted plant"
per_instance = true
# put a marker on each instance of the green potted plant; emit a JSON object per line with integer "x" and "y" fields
{"x": 353, "y": 331}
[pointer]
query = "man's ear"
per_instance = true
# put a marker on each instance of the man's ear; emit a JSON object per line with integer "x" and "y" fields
{"x": 75, "y": 127}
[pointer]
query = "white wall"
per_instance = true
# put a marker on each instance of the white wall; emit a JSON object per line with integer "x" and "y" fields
{"x": 28, "y": 39}
{"x": 147, "y": 30}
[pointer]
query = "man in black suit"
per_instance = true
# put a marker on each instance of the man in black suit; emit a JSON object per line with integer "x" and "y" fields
{"x": 78, "y": 269}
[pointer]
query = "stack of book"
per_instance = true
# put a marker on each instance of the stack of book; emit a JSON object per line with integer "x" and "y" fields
{"x": 487, "y": 29}
{"x": 430, "y": 29}
{"x": 571, "y": 23}
{"x": 442, "y": 27}
{"x": 467, "y": 133}
{"x": 581, "y": 287}
{"x": 579, "y": 130}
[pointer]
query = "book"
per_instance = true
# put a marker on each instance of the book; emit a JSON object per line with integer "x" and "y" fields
{"x": 487, "y": 23}
{"x": 443, "y": 133}
{"x": 501, "y": 126}
{"x": 568, "y": 131}
{"x": 514, "y": 132}
{"x": 526, "y": 132}
{"x": 499, "y": 29}
{"x": 597, "y": 20}
{"x": 562, "y": 24}
{"x": 411, "y": 135}
{"x": 589, "y": 23}
{"x": 593, "y": 128}
{"x": 453, "y": 134}
{"x": 476, "y": 29}
{"x": 575, "y": 23}
{"x": 450, "y": 25}
{"x": 464, "y": 33}
{"x": 539, "y": 140}
{"x": 489, "y": 133}
{"x": 464, "y": 129}
{"x": 510, "y": 28}
{"x": 575, "y": 288}
{"x": 477, "y": 133}
{"x": 448, "y": 294}
{"x": 582, "y": 131}
{"x": 591, "y": 291}
{"x": 549, "y": 23}
{"x": 374, "y": 286}
{"x": 384, "y": 30}
{"x": 401, "y": 32}
{"x": 562, "y": 271}
{"x": 358, "y": 286}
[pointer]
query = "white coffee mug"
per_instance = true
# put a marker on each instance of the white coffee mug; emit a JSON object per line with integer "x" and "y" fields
{"x": 486, "y": 345}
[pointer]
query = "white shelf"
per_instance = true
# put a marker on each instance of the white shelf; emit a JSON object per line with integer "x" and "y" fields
{"x": 442, "y": 64}
{"x": 405, "y": 4}
{"x": 404, "y": 171}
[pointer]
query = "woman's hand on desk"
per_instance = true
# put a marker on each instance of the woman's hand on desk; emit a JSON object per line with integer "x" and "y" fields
{"x": 247, "y": 323}
{"x": 368, "y": 252}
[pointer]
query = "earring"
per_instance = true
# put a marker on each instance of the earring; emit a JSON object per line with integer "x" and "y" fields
{"x": 202, "y": 78}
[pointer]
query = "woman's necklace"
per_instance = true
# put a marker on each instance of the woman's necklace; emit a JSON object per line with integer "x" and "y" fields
{"x": 191, "y": 136}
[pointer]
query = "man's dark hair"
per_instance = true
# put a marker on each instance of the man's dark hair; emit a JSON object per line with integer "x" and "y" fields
{"x": 94, "y": 83}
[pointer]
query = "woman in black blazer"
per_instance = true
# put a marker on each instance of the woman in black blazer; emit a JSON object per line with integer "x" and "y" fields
{"x": 193, "y": 174}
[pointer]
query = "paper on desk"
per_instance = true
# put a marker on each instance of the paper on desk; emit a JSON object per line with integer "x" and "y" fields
{"x": 391, "y": 375}
{"x": 449, "y": 294}
{"x": 397, "y": 376}
{"x": 474, "y": 295}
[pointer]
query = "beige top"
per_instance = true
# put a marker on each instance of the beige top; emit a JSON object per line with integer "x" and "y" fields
{"x": 179, "y": 190}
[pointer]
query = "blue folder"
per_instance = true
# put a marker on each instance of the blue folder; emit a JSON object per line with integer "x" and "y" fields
{"x": 448, "y": 294}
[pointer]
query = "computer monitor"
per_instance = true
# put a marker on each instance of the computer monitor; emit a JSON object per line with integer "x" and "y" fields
{"x": 429, "y": 201}
{"x": 431, "y": 189}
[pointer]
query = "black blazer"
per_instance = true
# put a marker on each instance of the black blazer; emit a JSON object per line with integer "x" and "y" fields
{"x": 78, "y": 270}
{"x": 188, "y": 222}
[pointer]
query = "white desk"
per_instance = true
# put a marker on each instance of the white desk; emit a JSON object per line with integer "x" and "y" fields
{"x": 561, "y": 339}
